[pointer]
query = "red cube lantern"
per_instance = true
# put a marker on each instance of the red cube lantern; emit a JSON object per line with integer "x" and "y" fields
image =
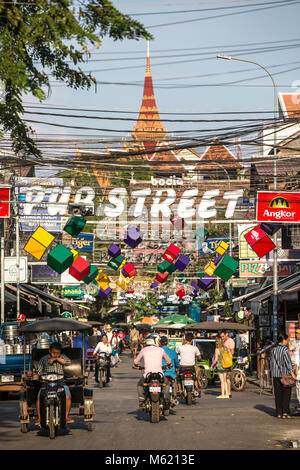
{"x": 129, "y": 270}
{"x": 180, "y": 293}
{"x": 171, "y": 252}
{"x": 80, "y": 268}
{"x": 162, "y": 277}
{"x": 259, "y": 241}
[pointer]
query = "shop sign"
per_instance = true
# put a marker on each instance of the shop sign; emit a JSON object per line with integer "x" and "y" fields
{"x": 278, "y": 206}
{"x": 252, "y": 268}
{"x": 4, "y": 202}
{"x": 10, "y": 269}
{"x": 43, "y": 274}
{"x": 84, "y": 242}
{"x": 72, "y": 291}
{"x": 210, "y": 245}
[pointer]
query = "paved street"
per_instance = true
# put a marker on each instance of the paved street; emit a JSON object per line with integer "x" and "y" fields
{"x": 244, "y": 422}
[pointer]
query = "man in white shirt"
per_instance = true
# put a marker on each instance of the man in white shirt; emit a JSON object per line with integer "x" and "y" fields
{"x": 188, "y": 354}
{"x": 109, "y": 333}
{"x": 103, "y": 347}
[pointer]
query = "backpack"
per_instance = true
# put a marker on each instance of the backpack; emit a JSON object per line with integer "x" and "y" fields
{"x": 226, "y": 359}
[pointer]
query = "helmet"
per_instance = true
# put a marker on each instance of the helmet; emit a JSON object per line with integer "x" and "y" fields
{"x": 152, "y": 340}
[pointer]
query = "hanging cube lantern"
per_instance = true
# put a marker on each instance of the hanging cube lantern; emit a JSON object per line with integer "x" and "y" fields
{"x": 180, "y": 293}
{"x": 101, "y": 277}
{"x": 222, "y": 247}
{"x": 60, "y": 259}
{"x": 80, "y": 268}
{"x": 182, "y": 278}
{"x": 182, "y": 262}
{"x": 210, "y": 268}
{"x": 154, "y": 285}
{"x": 161, "y": 277}
{"x": 195, "y": 285}
{"x": 133, "y": 237}
{"x": 129, "y": 270}
{"x": 178, "y": 222}
{"x": 259, "y": 241}
{"x": 114, "y": 251}
{"x": 75, "y": 225}
{"x": 226, "y": 267}
{"x": 91, "y": 276}
{"x": 123, "y": 282}
{"x": 38, "y": 243}
{"x": 117, "y": 263}
{"x": 163, "y": 267}
{"x": 171, "y": 252}
{"x": 75, "y": 254}
{"x": 200, "y": 273}
{"x": 171, "y": 268}
{"x": 270, "y": 229}
{"x": 102, "y": 284}
{"x": 104, "y": 293}
{"x": 206, "y": 283}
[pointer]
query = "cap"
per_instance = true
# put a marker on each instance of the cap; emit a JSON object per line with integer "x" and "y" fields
{"x": 21, "y": 317}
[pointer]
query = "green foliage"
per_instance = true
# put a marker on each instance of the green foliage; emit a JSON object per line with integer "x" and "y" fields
{"x": 213, "y": 297}
{"x": 51, "y": 37}
{"x": 143, "y": 307}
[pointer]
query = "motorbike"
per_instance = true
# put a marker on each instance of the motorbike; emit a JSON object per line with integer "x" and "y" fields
{"x": 52, "y": 403}
{"x": 173, "y": 391}
{"x": 103, "y": 363}
{"x": 188, "y": 378}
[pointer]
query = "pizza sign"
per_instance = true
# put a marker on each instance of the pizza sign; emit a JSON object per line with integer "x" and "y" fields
{"x": 278, "y": 206}
{"x": 4, "y": 202}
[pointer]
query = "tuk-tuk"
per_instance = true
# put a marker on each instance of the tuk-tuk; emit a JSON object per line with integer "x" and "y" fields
{"x": 75, "y": 375}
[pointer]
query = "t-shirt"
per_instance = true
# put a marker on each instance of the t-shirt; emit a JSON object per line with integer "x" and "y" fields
{"x": 188, "y": 354}
{"x": 134, "y": 336}
{"x": 101, "y": 347}
{"x": 229, "y": 344}
{"x": 152, "y": 356}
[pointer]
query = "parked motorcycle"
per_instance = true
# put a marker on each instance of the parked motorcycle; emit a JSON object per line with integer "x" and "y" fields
{"x": 52, "y": 403}
{"x": 103, "y": 363}
{"x": 188, "y": 378}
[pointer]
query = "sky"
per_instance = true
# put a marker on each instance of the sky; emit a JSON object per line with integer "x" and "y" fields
{"x": 266, "y": 28}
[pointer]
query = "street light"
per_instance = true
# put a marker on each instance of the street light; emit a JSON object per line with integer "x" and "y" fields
{"x": 275, "y": 267}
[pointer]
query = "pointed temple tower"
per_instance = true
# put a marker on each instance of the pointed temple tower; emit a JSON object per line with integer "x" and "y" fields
{"x": 148, "y": 131}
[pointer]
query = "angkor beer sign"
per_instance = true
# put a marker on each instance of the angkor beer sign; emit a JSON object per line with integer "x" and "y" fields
{"x": 278, "y": 206}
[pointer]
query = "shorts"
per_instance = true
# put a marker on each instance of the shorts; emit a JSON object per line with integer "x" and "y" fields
{"x": 222, "y": 371}
{"x": 67, "y": 391}
{"x": 134, "y": 344}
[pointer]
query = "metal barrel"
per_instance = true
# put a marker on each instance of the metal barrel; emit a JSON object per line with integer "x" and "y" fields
{"x": 44, "y": 343}
{"x": 9, "y": 349}
{"x": 9, "y": 332}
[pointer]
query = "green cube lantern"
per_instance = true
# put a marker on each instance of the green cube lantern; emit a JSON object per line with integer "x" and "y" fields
{"x": 92, "y": 275}
{"x": 116, "y": 263}
{"x": 75, "y": 225}
{"x": 200, "y": 274}
{"x": 163, "y": 267}
{"x": 170, "y": 269}
{"x": 226, "y": 267}
{"x": 60, "y": 259}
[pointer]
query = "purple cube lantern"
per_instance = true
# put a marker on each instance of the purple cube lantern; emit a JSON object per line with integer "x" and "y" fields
{"x": 114, "y": 251}
{"x": 154, "y": 285}
{"x": 206, "y": 282}
{"x": 182, "y": 262}
{"x": 104, "y": 293}
{"x": 195, "y": 285}
{"x": 133, "y": 237}
{"x": 270, "y": 229}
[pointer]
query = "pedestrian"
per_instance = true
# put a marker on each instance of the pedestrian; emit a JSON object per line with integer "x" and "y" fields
{"x": 222, "y": 371}
{"x": 230, "y": 345}
{"x": 281, "y": 364}
{"x": 296, "y": 344}
{"x": 134, "y": 341}
{"x": 78, "y": 342}
{"x": 109, "y": 333}
{"x": 115, "y": 348}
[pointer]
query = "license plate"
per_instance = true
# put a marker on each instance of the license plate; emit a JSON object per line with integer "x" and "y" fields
{"x": 154, "y": 389}
{"x": 7, "y": 378}
{"x": 52, "y": 395}
{"x": 188, "y": 382}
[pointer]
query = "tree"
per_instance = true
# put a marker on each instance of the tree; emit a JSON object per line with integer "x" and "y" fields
{"x": 143, "y": 307}
{"x": 39, "y": 38}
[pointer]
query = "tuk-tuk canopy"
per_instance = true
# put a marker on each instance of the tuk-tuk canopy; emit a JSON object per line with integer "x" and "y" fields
{"x": 55, "y": 325}
{"x": 218, "y": 326}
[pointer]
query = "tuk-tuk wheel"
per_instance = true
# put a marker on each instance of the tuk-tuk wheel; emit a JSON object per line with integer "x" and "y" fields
{"x": 202, "y": 377}
{"x": 24, "y": 427}
{"x": 90, "y": 426}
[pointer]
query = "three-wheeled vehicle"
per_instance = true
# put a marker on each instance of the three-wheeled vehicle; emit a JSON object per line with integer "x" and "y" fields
{"x": 52, "y": 406}
{"x": 206, "y": 347}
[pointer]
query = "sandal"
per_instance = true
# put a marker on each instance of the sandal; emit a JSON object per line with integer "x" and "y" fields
{"x": 279, "y": 416}
{"x": 286, "y": 416}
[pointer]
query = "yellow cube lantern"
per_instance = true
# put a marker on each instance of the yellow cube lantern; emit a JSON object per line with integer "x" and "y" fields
{"x": 222, "y": 247}
{"x": 101, "y": 277}
{"x": 75, "y": 254}
{"x": 103, "y": 285}
{"x": 39, "y": 242}
{"x": 123, "y": 264}
{"x": 210, "y": 268}
{"x": 123, "y": 282}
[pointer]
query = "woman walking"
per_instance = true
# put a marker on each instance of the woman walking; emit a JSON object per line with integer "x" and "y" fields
{"x": 281, "y": 364}
{"x": 219, "y": 351}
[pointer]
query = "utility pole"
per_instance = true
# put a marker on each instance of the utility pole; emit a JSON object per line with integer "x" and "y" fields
{"x": 2, "y": 271}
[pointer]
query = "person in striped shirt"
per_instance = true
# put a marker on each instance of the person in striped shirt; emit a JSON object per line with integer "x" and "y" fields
{"x": 280, "y": 364}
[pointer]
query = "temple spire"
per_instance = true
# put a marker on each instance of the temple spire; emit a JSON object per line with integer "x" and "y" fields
{"x": 149, "y": 128}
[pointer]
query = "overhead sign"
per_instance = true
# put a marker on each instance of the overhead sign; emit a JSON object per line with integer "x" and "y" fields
{"x": 10, "y": 269}
{"x": 43, "y": 274}
{"x": 84, "y": 242}
{"x": 252, "y": 268}
{"x": 4, "y": 202}
{"x": 278, "y": 206}
{"x": 72, "y": 291}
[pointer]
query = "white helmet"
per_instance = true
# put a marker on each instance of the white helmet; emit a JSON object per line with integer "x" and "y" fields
{"x": 152, "y": 340}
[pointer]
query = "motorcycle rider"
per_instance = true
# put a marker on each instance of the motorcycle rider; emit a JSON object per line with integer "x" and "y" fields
{"x": 53, "y": 363}
{"x": 104, "y": 347}
{"x": 152, "y": 356}
{"x": 188, "y": 354}
{"x": 174, "y": 358}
